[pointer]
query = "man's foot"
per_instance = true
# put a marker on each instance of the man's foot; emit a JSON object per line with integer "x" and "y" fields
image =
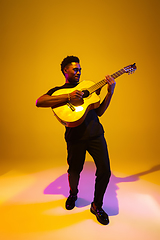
{"x": 70, "y": 203}
{"x": 101, "y": 215}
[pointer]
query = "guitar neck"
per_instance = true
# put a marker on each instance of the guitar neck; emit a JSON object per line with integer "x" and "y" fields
{"x": 103, "y": 82}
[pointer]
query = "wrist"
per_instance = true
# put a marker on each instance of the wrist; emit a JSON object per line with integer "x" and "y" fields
{"x": 110, "y": 93}
{"x": 69, "y": 98}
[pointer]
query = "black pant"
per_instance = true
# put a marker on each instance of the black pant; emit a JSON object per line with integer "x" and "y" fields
{"x": 97, "y": 148}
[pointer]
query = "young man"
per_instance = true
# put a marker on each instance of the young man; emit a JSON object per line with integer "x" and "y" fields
{"x": 88, "y": 136}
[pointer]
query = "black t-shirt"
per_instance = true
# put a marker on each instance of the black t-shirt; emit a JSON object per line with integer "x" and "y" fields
{"x": 90, "y": 127}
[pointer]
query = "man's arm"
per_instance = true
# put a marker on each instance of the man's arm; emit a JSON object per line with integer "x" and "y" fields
{"x": 104, "y": 105}
{"x": 46, "y": 100}
{"x": 51, "y": 101}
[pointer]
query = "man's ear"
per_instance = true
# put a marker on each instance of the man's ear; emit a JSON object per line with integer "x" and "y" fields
{"x": 65, "y": 70}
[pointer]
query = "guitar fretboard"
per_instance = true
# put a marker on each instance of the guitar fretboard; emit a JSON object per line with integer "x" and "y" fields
{"x": 117, "y": 74}
{"x": 103, "y": 82}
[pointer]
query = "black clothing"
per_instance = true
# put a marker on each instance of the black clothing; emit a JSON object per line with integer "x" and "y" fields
{"x": 89, "y": 136}
{"x": 97, "y": 148}
{"x": 90, "y": 127}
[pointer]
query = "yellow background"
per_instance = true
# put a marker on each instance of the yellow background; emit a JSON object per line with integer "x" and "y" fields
{"x": 107, "y": 36}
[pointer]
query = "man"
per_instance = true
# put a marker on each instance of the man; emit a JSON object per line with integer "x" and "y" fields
{"x": 88, "y": 136}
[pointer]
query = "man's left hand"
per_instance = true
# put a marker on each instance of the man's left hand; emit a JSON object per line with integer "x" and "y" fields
{"x": 111, "y": 83}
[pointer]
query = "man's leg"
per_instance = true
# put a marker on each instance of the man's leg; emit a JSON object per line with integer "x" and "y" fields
{"x": 76, "y": 158}
{"x": 98, "y": 150}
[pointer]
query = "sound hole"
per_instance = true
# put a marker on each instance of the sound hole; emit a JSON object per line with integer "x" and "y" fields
{"x": 86, "y": 93}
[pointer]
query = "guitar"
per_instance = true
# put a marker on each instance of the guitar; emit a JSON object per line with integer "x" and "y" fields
{"x": 72, "y": 116}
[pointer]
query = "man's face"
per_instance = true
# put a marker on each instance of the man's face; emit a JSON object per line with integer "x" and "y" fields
{"x": 72, "y": 72}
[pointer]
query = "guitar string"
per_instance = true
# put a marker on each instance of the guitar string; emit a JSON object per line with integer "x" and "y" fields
{"x": 103, "y": 82}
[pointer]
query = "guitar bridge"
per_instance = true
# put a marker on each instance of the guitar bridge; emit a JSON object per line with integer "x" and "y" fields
{"x": 71, "y": 106}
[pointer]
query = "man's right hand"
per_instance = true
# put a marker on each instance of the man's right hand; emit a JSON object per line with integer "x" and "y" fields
{"x": 76, "y": 97}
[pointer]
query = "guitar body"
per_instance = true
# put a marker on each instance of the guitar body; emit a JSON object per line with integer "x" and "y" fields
{"x": 70, "y": 115}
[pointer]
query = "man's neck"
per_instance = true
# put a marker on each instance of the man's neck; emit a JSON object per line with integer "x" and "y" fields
{"x": 73, "y": 83}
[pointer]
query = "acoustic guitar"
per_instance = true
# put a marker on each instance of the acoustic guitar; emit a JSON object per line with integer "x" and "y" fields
{"x": 72, "y": 116}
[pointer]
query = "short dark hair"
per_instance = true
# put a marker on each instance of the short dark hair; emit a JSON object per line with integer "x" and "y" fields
{"x": 68, "y": 60}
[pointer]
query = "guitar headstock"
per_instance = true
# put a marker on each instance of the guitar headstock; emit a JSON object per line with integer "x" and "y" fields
{"x": 130, "y": 69}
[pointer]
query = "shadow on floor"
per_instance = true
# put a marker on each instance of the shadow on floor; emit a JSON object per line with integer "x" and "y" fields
{"x": 86, "y": 187}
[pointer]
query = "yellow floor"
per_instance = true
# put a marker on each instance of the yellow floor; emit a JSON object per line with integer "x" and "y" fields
{"x": 32, "y": 206}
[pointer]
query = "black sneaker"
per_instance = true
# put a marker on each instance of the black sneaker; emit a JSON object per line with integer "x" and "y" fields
{"x": 101, "y": 215}
{"x": 70, "y": 203}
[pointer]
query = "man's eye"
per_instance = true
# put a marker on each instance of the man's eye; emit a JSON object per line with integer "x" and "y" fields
{"x": 76, "y": 70}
